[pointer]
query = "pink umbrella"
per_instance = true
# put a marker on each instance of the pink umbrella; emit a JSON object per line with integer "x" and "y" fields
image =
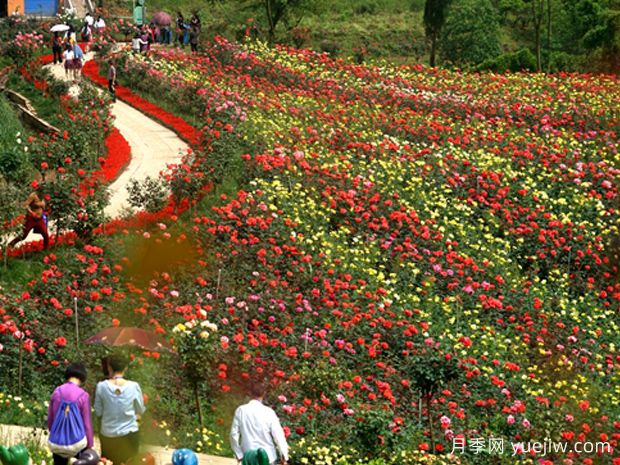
{"x": 123, "y": 336}
{"x": 162, "y": 18}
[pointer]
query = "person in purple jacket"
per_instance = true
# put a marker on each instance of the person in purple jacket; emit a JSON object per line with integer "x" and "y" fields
{"x": 75, "y": 375}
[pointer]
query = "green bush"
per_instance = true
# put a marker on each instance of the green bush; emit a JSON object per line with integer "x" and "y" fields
{"x": 562, "y": 61}
{"x": 149, "y": 194}
{"x": 368, "y": 7}
{"x": 521, "y": 60}
{"x": 329, "y": 46}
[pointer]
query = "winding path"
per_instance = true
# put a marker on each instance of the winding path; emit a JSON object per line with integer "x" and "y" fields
{"x": 153, "y": 146}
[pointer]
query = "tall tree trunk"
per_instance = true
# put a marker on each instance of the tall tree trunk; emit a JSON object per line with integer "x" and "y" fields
{"x": 198, "y": 406}
{"x": 538, "y": 54}
{"x": 430, "y": 420}
{"x": 537, "y": 20}
{"x": 269, "y": 11}
{"x": 433, "y": 49}
{"x": 548, "y": 36}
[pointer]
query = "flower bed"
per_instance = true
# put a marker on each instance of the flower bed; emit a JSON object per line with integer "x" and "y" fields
{"x": 425, "y": 252}
{"x": 415, "y": 256}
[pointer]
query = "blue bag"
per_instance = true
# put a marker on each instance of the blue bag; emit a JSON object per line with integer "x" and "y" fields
{"x": 67, "y": 434}
{"x": 184, "y": 457}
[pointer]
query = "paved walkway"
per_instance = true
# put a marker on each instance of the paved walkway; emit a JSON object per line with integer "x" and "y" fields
{"x": 153, "y": 146}
{"x": 11, "y": 435}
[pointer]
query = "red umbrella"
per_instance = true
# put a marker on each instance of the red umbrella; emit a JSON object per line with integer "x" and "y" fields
{"x": 120, "y": 336}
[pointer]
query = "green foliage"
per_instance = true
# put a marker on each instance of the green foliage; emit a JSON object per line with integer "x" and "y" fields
{"x": 367, "y": 7}
{"x": 276, "y": 12}
{"x": 471, "y": 33}
{"x": 14, "y": 164}
{"x": 521, "y": 60}
{"x": 150, "y": 194}
{"x": 10, "y": 125}
{"x": 10, "y": 208}
{"x": 562, "y": 61}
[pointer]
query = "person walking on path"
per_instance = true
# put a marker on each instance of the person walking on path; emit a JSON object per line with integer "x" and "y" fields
{"x": 35, "y": 220}
{"x": 112, "y": 80}
{"x": 71, "y": 391}
{"x": 78, "y": 57}
{"x": 57, "y": 47}
{"x": 119, "y": 403}
{"x": 87, "y": 33}
{"x": 256, "y": 426}
{"x": 88, "y": 19}
{"x": 69, "y": 58}
{"x": 99, "y": 25}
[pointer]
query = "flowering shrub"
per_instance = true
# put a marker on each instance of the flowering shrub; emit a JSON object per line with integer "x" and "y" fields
{"x": 18, "y": 411}
{"x": 196, "y": 342}
{"x": 24, "y": 47}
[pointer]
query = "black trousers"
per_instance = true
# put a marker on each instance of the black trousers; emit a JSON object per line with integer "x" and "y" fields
{"x": 112, "y": 89}
{"x": 58, "y": 460}
{"x": 57, "y": 54}
{"x": 120, "y": 450}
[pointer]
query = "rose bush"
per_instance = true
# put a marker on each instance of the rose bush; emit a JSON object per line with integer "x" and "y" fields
{"x": 412, "y": 243}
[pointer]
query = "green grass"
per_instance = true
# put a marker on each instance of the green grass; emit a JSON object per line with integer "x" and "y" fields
{"x": 47, "y": 107}
{"x": 20, "y": 270}
{"x": 10, "y": 125}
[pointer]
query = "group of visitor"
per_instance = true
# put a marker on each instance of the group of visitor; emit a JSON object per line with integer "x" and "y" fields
{"x": 119, "y": 405}
{"x": 188, "y": 33}
{"x": 90, "y": 25}
{"x": 73, "y": 57}
{"x": 66, "y": 49}
{"x": 143, "y": 38}
{"x": 256, "y": 435}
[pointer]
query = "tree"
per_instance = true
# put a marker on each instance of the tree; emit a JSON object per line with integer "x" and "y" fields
{"x": 537, "y": 8}
{"x": 591, "y": 27}
{"x": 434, "y": 19}
{"x": 471, "y": 33}
{"x": 287, "y": 12}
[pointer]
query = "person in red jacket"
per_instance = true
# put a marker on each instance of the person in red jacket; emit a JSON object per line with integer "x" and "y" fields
{"x": 35, "y": 220}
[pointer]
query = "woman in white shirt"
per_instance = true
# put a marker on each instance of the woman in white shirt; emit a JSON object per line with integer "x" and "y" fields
{"x": 69, "y": 56}
{"x": 99, "y": 25}
{"x": 119, "y": 403}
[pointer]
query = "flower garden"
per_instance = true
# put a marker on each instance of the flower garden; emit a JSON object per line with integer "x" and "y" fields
{"x": 409, "y": 256}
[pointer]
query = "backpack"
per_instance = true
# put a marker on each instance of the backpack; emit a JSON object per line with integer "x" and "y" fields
{"x": 67, "y": 434}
